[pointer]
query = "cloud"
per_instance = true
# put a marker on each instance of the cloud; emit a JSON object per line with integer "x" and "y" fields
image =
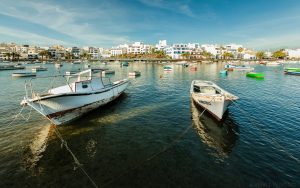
{"x": 29, "y": 38}
{"x": 181, "y": 7}
{"x": 274, "y": 42}
{"x": 67, "y": 20}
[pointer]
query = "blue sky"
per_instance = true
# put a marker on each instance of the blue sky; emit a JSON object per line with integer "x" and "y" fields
{"x": 257, "y": 24}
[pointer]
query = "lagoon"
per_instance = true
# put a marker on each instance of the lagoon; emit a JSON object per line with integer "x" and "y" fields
{"x": 152, "y": 135}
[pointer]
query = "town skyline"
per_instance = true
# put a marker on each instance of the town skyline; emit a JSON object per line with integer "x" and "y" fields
{"x": 259, "y": 25}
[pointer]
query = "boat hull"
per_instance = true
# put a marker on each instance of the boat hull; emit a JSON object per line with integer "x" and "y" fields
{"x": 65, "y": 108}
{"x": 216, "y": 106}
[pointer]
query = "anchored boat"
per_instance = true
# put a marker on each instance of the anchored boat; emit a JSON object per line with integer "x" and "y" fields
{"x": 134, "y": 73}
{"x": 23, "y": 74}
{"x": 65, "y": 103}
{"x": 211, "y": 97}
{"x": 255, "y": 75}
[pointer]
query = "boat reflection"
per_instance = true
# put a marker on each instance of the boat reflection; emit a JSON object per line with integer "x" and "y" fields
{"x": 220, "y": 136}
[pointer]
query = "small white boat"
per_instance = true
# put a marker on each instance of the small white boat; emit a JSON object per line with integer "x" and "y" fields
{"x": 134, "y": 73}
{"x": 211, "y": 97}
{"x": 63, "y": 104}
{"x": 76, "y": 62}
{"x": 86, "y": 66}
{"x": 58, "y": 65}
{"x": 39, "y": 68}
{"x": 72, "y": 72}
{"x": 168, "y": 68}
{"x": 243, "y": 68}
{"x": 273, "y": 64}
{"x": 23, "y": 74}
{"x": 11, "y": 67}
{"x": 104, "y": 72}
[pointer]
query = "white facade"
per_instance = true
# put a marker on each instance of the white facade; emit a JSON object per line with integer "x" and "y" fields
{"x": 215, "y": 50}
{"x": 176, "y": 50}
{"x": 117, "y": 51}
{"x": 249, "y": 56}
{"x": 162, "y": 44}
{"x": 94, "y": 53}
{"x": 293, "y": 53}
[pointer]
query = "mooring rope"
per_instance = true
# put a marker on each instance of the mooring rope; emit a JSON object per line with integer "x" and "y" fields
{"x": 64, "y": 143}
{"x": 167, "y": 147}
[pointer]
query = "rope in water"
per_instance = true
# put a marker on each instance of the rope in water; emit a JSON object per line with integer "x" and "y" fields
{"x": 167, "y": 147}
{"x": 64, "y": 143}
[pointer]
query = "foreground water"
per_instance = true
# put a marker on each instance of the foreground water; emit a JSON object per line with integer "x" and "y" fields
{"x": 152, "y": 135}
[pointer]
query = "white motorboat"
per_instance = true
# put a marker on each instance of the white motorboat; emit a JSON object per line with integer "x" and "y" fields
{"x": 273, "y": 64}
{"x": 68, "y": 102}
{"x": 211, "y": 97}
{"x": 58, "y": 65}
{"x": 134, "y": 73}
{"x": 38, "y": 68}
{"x": 104, "y": 72}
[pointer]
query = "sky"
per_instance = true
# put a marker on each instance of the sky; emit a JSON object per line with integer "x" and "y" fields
{"x": 256, "y": 24}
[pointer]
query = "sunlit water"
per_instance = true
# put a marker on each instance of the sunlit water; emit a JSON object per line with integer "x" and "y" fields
{"x": 152, "y": 135}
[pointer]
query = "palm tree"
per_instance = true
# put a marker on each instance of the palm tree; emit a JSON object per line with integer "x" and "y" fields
{"x": 68, "y": 55}
{"x": 227, "y": 55}
{"x": 186, "y": 55}
{"x": 43, "y": 53}
{"x": 260, "y": 55}
{"x": 8, "y": 55}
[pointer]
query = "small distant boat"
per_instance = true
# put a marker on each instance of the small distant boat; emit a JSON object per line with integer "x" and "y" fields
{"x": 65, "y": 103}
{"x": 255, "y": 75}
{"x": 23, "y": 74}
{"x": 262, "y": 62}
{"x": 134, "y": 73}
{"x": 193, "y": 68}
{"x": 76, "y": 62}
{"x": 243, "y": 68}
{"x": 168, "y": 68}
{"x": 223, "y": 72}
{"x": 11, "y": 67}
{"x": 125, "y": 64}
{"x": 273, "y": 64}
{"x": 72, "y": 72}
{"x": 39, "y": 68}
{"x": 108, "y": 72}
{"x": 297, "y": 73}
{"x": 58, "y": 65}
{"x": 104, "y": 63}
{"x": 96, "y": 70}
{"x": 292, "y": 69}
{"x": 211, "y": 97}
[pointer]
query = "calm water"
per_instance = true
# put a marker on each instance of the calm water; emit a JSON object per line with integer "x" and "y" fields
{"x": 152, "y": 135}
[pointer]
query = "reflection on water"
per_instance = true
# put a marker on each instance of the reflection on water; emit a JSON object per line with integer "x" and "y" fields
{"x": 219, "y": 136}
{"x": 34, "y": 152}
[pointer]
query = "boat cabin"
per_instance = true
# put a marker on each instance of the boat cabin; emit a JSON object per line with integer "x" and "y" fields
{"x": 85, "y": 82}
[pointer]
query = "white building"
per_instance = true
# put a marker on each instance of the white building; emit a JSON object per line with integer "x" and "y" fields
{"x": 293, "y": 53}
{"x": 118, "y": 51}
{"x": 162, "y": 44}
{"x": 214, "y": 49}
{"x": 94, "y": 53}
{"x": 176, "y": 50}
{"x": 76, "y": 52}
{"x": 193, "y": 45}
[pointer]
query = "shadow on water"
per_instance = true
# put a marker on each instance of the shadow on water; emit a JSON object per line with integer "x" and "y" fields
{"x": 220, "y": 136}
